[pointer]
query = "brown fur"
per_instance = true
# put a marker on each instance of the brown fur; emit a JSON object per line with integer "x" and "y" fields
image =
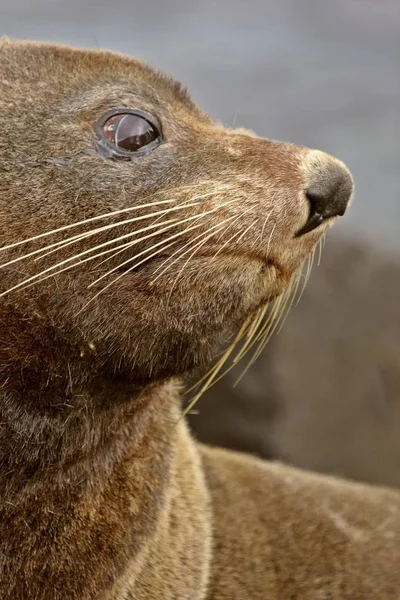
{"x": 103, "y": 493}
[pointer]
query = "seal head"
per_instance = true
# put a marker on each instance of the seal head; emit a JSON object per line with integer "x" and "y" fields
{"x": 168, "y": 228}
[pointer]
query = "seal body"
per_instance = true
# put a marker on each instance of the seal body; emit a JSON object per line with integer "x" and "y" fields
{"x": 137, "y": 235}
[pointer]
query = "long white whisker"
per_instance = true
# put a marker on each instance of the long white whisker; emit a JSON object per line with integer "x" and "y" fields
{"x": 270, "y": 239}
{"x": 248, "y": 330}
{"x": 188, "y": 219}
{"x": 251, "y": 334}
{"x": 307, "y": 274}
{"x": 126, "y": 272}
{"x": 84, "y": 222}
{"x": 272, "y": 322}
{"x": 212, "y": 374}
{"x": 286, "y": 304}
{"x": 56, "y": 246}
{"x": 25, "y": 284}
{"x": 89, "y": 251}
{"x": 293, "y": 293}
{"x": 265, "y": 222}
{"x": 121, "y": 248}
{"x": 196, "y": 248}
{"x": 235, "y": 218}
{"x": 167, "y": 263}
{"x": 113, "y": 241}
{"x": 269, "y": 322}
{"x": 128, "y": 245}
{"x": 219, "y": 250}
{"x": 114, "y": 225}
{"x": 240, "y": 233}
{"x": 120, "y": 211}
{"x": 319, "y": 251}
{"x": 242, "y": 333}
{"x": 134, "y": 266}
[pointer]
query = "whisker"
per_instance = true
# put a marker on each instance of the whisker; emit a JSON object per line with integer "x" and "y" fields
{"x": 238, "y": 338}
{"x": 241, "y": 236}
{"x": 251, "y": 334}
{"x": 194, "y": 217}
{"x": 126, "y": 221}
{"x": 320, "y": 246}
{"x": 99, "y": 217}
{"x": 56, "y": 246}
{"x": 249, "y": 330}
{"x": 113, "y": 241}
{"x": 308, "y": 273}
{"x": 160, "y": 250}
{"x": 227, "y": 242}
{"x": 266, "y": 221}
{"x": 267, "y": 329}
{"x": 255, "y": 331}
{"x": 293, "y": 293}
{"x": 271, "y": 319}
{"x": 128, "y": 245}
{"x": 84, "y": 222}
{"x": 39, "y": 275}
{"x": 167, "y": 264}
{"x": 79, "y": 237}
{"x": 255, "y": 318}
{"x": 25, "y": 285}
{"x": 134, "y": 266}
{"x": 254, "y": 336}
{"x": 203, "y": 242}
{"x": 287, "y": 304}
{"x": 176, "y": 191}
{"x": 234, "y": 217}
{"x": 270, "y": 239}
{"x": 215, "y": 370}
{"x": 272, "y": 323}
{"x": 196, "y": 248}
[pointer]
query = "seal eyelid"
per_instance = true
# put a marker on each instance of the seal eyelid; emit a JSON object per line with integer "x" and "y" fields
{"x": 127, "y": 133}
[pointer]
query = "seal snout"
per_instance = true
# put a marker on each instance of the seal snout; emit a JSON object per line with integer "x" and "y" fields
{"x": 329, "y": 192}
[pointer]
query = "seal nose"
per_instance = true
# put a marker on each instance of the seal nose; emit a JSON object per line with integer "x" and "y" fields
{"x": 329, "y": 196}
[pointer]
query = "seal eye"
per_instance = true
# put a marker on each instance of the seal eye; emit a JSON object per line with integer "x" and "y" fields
{"x": 128, "y": 132}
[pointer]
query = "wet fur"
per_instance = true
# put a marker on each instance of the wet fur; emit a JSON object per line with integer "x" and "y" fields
{"x": 103, "y": 493}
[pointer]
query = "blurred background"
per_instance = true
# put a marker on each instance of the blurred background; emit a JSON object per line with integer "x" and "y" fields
{"x": 325, "y": 394}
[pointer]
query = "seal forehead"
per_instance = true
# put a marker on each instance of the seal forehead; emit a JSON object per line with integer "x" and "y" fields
{"x": 44, "y": 65}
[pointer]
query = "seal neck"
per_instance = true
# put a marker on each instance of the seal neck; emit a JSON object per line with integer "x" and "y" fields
{"x": 82, "y": 436}
{"x": 82, "y": 490}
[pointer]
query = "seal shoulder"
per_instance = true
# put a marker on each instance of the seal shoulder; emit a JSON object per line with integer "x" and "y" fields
{"x": 300, "y": 534}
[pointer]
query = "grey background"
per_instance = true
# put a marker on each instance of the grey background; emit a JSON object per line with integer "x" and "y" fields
{"x": 323, "y": 73}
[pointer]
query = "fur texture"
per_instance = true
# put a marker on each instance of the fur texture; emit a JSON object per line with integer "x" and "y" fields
{"x": 103, "y": 494}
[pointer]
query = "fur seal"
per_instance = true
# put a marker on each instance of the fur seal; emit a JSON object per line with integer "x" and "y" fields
{"x": 136, "y": 235}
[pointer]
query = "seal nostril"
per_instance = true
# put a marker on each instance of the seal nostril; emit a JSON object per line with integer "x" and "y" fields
{"x": 315, "y": 218}
{"x": 315, "y": 198}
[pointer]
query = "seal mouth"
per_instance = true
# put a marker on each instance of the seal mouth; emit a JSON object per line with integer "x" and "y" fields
{"x": 314, "y": 221}
{"x": 265, "y": 264}
{"x": 129, "y": 269}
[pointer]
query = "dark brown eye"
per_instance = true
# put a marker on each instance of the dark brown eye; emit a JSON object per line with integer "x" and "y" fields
{"x": 128, "y": 132}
